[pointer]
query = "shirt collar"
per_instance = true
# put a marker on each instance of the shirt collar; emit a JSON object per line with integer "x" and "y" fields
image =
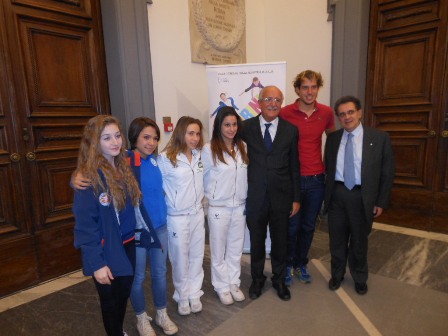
{"x": 297, "y": 108}
{"x": 273, "y": 122}
{"x": 357, "y": 131}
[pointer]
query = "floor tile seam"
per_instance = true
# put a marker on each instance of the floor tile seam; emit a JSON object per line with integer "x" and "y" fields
{"x": 348, "y": 302}
{"x": 411, "y": 232}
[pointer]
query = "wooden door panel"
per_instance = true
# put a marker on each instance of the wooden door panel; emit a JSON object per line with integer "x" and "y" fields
{"x": 56, "y": 254}
{"x": 406, "y": 96}
{"x": 410, "y": 160}
{"x": 9, "y": 221}
{"x": 80, "y": 8}
{"x": 18, "y": 264}
{"x": 403, "y": 118}
{"x": 440, "y": 214}
{"x": 61, "y": 136}
{"x": 409, "y": 128}
{"x": 3, "y": 138}
{"x": 53, "y": 175}
{"x": 403, "y": 73}
{"x": 403, "y": 16}
{"x": 60, "y": 78}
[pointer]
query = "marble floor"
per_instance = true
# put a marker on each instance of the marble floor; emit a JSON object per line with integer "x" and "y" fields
{"x": 408, "y": 295}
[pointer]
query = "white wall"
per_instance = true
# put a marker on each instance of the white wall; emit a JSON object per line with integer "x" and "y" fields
{"x": 295, "y": 31}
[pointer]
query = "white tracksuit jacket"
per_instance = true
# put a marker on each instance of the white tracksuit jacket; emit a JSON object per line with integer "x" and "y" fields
{"x": 224, "y": 184}
{"x": 183, "y": 184}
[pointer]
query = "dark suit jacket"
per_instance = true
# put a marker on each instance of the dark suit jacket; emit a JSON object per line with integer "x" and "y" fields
{"x": 275, "y": 172}
{"x": 377, "y": 168}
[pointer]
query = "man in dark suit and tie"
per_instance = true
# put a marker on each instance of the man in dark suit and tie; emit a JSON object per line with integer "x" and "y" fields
{"x": 360, "y": 172}
{"x": 273, "y": 188}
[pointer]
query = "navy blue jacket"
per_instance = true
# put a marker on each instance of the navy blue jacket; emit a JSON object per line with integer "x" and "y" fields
{"x": 97, "y": 233}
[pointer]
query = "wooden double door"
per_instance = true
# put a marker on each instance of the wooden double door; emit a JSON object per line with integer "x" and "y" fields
{"x": 407, "y": 95}
{"x": 52, "y": 80}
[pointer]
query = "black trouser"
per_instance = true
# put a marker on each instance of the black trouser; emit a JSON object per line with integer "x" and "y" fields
{"x": 114, "y": 297}
{"x": 349, "y": 231}
{"x": 278, "y": 228}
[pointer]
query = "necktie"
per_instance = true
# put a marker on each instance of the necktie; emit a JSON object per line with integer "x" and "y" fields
{"x": 349, "y": 163}
{"x": 267, "y": 137}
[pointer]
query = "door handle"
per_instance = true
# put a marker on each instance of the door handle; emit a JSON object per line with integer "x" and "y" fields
{"x": 30, "y": 156}
{"x": 445, "y": 134}
{"x": 15, "y": 157}
{"x": 431, "y": 134}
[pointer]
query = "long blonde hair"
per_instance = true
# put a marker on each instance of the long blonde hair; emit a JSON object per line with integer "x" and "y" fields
{"x": 177, "y": 143}
{"x": 120, "y": 180}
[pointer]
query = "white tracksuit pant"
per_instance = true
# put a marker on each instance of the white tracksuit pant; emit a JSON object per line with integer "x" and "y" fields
{"x": 226, "y": 227}
{"x": 186, "y": 243}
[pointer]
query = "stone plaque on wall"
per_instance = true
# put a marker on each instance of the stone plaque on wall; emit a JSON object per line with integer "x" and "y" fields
{"x": 218, "y": 31}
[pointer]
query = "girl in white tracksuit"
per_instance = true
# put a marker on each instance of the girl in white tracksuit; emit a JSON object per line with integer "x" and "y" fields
{"x": 225, "y": 180}
{"x": 182, "y": 174}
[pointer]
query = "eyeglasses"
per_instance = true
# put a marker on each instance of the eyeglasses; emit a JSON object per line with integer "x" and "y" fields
{"x": 348, "y": 113}
{"x": 271, "y": 99}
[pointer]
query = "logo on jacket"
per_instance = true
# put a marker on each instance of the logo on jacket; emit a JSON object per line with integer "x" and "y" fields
{"x": 216, "y": 215}
{"x": 200, "y": 167}
{"x": 154, "y": 162}
{"x": 104, "y": 199}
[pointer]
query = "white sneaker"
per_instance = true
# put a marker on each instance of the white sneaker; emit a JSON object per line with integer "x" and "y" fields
{"x": 183, "y": 307}
{"x": 237, "y": 294}
{"x": 143, "y": 326}
{"x": 226, "y": 298}
{"x": 164, "y": 322}
{"x": 196, "y": 305}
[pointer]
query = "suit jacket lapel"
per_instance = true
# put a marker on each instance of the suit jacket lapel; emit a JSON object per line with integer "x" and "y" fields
{"x": 256, "y": 131}
{"x": 280, "y": 126}
{"x": 368, "y": 146}
{"x": 335, "y": 150}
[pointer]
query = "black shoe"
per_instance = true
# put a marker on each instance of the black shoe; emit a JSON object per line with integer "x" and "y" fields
{"x": 334, "y": 283}
{"x": 282, "y": 291}
{"x": 361, "y": 288}
{"x": 255, "y": 289}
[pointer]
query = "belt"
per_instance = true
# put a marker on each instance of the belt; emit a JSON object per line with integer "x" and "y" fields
{"x": 315, "y": 175}
{"x": 357, "y": 186}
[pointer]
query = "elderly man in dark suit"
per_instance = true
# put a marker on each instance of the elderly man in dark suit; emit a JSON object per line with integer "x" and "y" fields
{"x": 360, "y": 172}
{"x": 273, "y": 188}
